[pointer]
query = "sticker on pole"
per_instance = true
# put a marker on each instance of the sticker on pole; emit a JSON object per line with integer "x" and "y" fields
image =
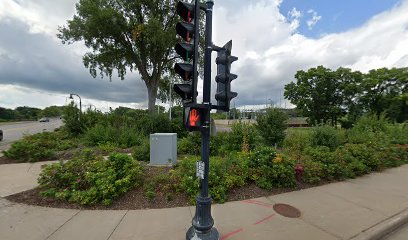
{"x": 200, "y": 167}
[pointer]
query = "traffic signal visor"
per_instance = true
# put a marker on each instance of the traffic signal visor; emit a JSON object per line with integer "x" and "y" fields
{"x": 185, "y": 10}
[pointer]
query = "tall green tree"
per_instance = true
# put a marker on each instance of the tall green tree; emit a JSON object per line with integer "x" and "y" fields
{"x": 316, "y": 94}
{"x": 349, "y": 83}
{"x": 126, "y": 35}
{"x": 385, "y": 91}
{"x": 52, "y": 111}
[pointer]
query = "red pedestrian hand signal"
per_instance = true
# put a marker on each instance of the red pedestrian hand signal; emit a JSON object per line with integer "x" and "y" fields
{"x": 194, "y": 118}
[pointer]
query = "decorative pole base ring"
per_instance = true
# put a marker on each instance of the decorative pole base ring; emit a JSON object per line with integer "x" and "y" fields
{"x": 192, "y": 234}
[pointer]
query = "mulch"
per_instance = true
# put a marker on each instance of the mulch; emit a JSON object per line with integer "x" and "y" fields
{"x": 6, "y": 160}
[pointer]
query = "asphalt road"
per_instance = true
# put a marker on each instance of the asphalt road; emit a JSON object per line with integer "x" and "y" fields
{"x": 15, "y": 131}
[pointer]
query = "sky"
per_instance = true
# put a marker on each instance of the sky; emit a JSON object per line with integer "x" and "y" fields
{"x": 272, "y": 39}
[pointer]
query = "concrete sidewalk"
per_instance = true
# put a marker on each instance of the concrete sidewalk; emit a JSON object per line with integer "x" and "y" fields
{"x": 344, "y": 210}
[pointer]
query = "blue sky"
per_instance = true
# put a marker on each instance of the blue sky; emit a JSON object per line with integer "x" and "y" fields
{"x": 336, "y": 15}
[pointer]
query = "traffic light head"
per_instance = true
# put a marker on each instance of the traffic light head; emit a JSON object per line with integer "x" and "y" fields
{"x": 187, "y": 51}
{"x": 224, "y": 77}
{"x": 186, "y": 11}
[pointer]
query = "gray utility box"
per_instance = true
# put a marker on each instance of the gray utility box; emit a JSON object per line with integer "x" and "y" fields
{"x": 163, "y": 148}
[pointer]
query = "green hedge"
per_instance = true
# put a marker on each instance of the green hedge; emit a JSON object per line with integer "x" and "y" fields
{"x": 40, "y": 146}
{"x": 89, "y": 179}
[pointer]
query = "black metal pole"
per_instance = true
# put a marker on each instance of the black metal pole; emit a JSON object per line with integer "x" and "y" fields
{"x": 196, "y": 43}
{"x": 202, "y": 224}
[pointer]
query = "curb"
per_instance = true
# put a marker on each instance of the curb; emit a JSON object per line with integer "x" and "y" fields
{"x": 383, "y": 228}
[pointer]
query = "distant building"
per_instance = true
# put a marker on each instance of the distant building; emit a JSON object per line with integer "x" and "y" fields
{"x": 298, "y": 122}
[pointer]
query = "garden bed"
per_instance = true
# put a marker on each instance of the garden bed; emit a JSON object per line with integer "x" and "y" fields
{"x": 137, "y": 199}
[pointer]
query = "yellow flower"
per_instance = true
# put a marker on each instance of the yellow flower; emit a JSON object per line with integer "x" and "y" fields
{"x": 278, "y": 158}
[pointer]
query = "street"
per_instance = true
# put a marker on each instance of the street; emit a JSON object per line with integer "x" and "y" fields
{"x": 16, "y": 130}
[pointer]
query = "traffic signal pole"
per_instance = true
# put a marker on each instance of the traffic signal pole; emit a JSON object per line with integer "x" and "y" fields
{"x": 202, "y": 223}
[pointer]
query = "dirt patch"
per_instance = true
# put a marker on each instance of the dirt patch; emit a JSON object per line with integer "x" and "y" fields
{"x": 6, "y": 160}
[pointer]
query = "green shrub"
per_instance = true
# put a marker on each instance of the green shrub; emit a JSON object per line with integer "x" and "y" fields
{"x": 191, "y": 144}
{"x": 313, "y": 171}
{"x": 178, "y": 127}
{"x": 71, "y": 119}
{"x": 394, "y": 155}
{"x": 371, "y": 130}
{"x": 142, "y": 152}
{"x": 371, "y": 123}
{"x": 123, "y": 136}
{"x": 365, "y": 154}
{"x": 325, "y": 136}
{"x": 398, "y": 133}
{"x": 153, "y": 123}
{"x": 297, "y": 141}
{"x": 269, "y": 169}
{"x": 225, "y": 174}
{"x": 334, "y": 168}
{"x": 242, "y": 137}
{"x": 129, "y": 137}
{"x": 219, "y": 144}
{"x": 89, "y": 179}
{"x": 40, "y": 146}
{"x": 100, "y": 134}
{"x": 107, "y": 147}
{"x": 272, "y": 125}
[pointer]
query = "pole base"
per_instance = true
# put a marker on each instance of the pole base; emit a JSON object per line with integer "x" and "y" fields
{"x": 192, "y": 234}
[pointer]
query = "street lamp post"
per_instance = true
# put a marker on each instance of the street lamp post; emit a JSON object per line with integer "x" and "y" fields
{"x": 80, "y": 102}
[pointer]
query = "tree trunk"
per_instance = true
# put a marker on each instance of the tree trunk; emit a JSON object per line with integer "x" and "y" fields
{"x": 152, "y": 95}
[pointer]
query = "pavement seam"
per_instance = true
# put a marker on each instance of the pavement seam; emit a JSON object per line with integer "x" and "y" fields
{"x": 321, "y": 229}
{"x": 62, "y": 225}
{"x": 352, "y": 202}
{"x": 117, "y": 225}
{"x": 31, "y": 165}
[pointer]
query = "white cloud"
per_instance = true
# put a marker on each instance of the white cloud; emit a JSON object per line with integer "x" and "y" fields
{"x": 294, "y": 16}
{"x": 270, "y": 52}
{"x": 43, "y": 16}
{"x": 315, "y": 18}
{"x": 14, "y": 96}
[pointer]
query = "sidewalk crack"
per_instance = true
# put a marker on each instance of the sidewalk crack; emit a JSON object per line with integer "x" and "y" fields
{"x": 118, "y": 224}
{"x": 62, "y": 225}
{"x": 321, "y": 229}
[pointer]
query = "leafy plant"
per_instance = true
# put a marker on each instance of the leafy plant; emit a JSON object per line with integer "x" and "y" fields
{"x": 243, "y": 136}
{"x": 40, "y": 146}
{"x": 272, "y": 125}
{"x": 269, "y": 169}
{"x": 325, "y": 136}
{"x": 296, "y": 142}
{"x": 88, "y": 179}
{"x": 225, "y": 174}
{"x": 142, "y": 152}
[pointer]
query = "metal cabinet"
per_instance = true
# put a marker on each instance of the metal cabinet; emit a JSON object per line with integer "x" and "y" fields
{"x": 163, "y": 148}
